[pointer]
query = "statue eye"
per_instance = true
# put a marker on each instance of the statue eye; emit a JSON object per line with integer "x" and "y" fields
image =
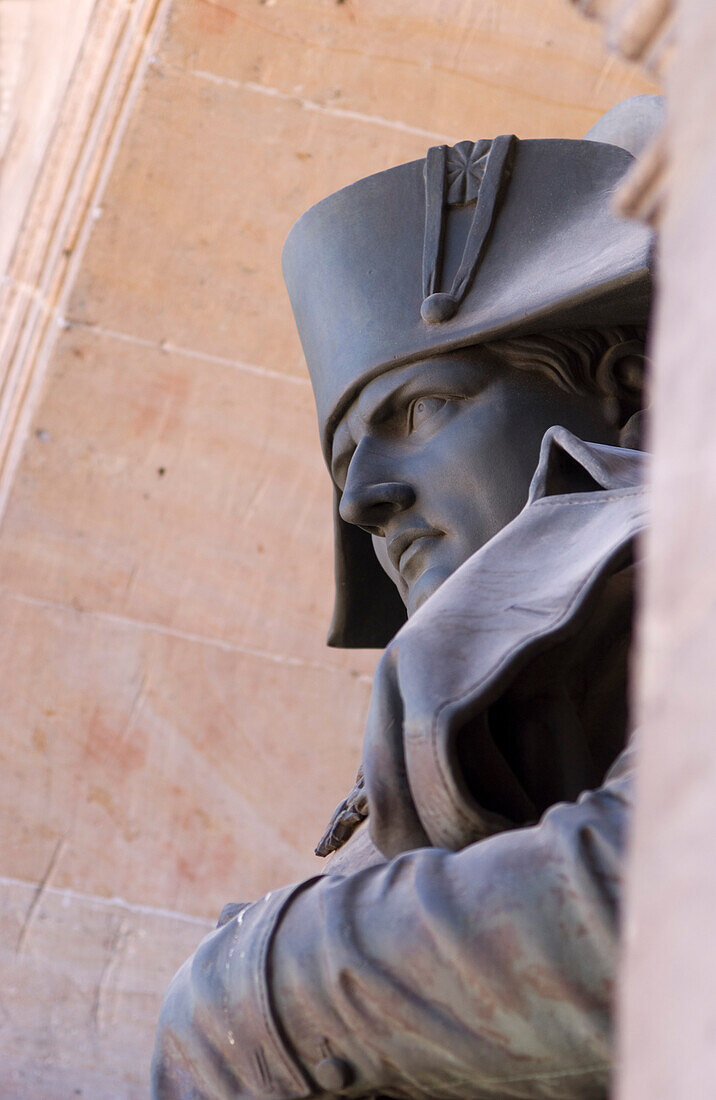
{"x": 422, "y": 409}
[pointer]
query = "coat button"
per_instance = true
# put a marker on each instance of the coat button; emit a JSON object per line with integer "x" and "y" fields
{"x": 333, "y": 1074}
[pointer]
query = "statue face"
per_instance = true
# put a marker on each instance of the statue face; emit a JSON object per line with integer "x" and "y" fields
{"x": 434, "y": 458}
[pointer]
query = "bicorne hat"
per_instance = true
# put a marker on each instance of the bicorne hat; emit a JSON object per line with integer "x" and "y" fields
{"x": 484, "y": 240}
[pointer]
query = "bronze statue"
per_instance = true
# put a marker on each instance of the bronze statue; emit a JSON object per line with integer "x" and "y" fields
{"x": 468, "y": 321}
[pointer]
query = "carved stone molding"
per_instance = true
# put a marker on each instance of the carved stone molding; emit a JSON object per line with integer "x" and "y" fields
{"x": 644, "y": 32}
{"x": 117, "y": 45}
{"x": 15, "y": 22}
{"x": 639, "y": 30}
{"x": 644, "y": 191}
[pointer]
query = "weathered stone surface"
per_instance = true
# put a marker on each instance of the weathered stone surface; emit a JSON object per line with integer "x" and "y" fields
{"x": 173, "y": 772}
{"x": 466, "y": 69}
{"x": 177, "y": 491}
{"x": 39, "y": 44}
{"x": 81, "y": 991}
{"x": 187, "y": 249}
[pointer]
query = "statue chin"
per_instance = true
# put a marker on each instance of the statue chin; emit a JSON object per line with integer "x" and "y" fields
{"x": 427, "y": 583}
{"x": 417, "y": 592}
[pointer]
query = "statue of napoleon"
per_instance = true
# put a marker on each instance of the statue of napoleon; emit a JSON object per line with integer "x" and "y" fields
{"x": 474, "y": 326}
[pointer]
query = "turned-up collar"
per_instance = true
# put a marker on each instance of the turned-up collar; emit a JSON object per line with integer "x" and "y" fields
{"x": 520, "y": 594}
{"x": 569, "y": 465}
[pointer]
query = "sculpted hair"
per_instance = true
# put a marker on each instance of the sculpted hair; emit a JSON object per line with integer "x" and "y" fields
{"x": 599, "y": 362}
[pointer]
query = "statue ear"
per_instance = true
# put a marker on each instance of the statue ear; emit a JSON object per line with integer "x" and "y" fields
{"x": 632, "y": 435}
{"x": 620, "y": 376}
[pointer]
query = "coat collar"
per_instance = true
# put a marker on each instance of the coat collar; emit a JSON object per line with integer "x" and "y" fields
{"x": 569, "y": 465}
{"x": 521, "y": 595}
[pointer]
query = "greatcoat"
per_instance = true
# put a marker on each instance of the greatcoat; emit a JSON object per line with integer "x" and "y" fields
{"x": 474, "y": 956}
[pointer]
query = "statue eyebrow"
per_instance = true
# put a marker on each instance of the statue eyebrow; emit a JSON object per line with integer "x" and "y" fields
{"x": 414, "y": 384}
{"x": 384, "y": 395}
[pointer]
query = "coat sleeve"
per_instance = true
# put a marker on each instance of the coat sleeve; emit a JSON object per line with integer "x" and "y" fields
{"x": 486, "y": 973}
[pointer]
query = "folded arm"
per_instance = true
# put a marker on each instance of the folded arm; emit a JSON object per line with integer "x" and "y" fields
{"x": 484, "y": 974}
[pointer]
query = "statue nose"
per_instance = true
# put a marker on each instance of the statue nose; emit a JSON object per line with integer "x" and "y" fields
{"x": 371, "y": 505}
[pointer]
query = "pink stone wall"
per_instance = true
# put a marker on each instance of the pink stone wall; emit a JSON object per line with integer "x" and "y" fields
{"x": 669, "y": 995}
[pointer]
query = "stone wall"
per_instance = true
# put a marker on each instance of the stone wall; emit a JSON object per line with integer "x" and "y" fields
{"x": 668, "y": 1017}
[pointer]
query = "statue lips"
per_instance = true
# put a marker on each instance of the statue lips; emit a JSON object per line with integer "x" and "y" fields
{"x": 405, "y": 545}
